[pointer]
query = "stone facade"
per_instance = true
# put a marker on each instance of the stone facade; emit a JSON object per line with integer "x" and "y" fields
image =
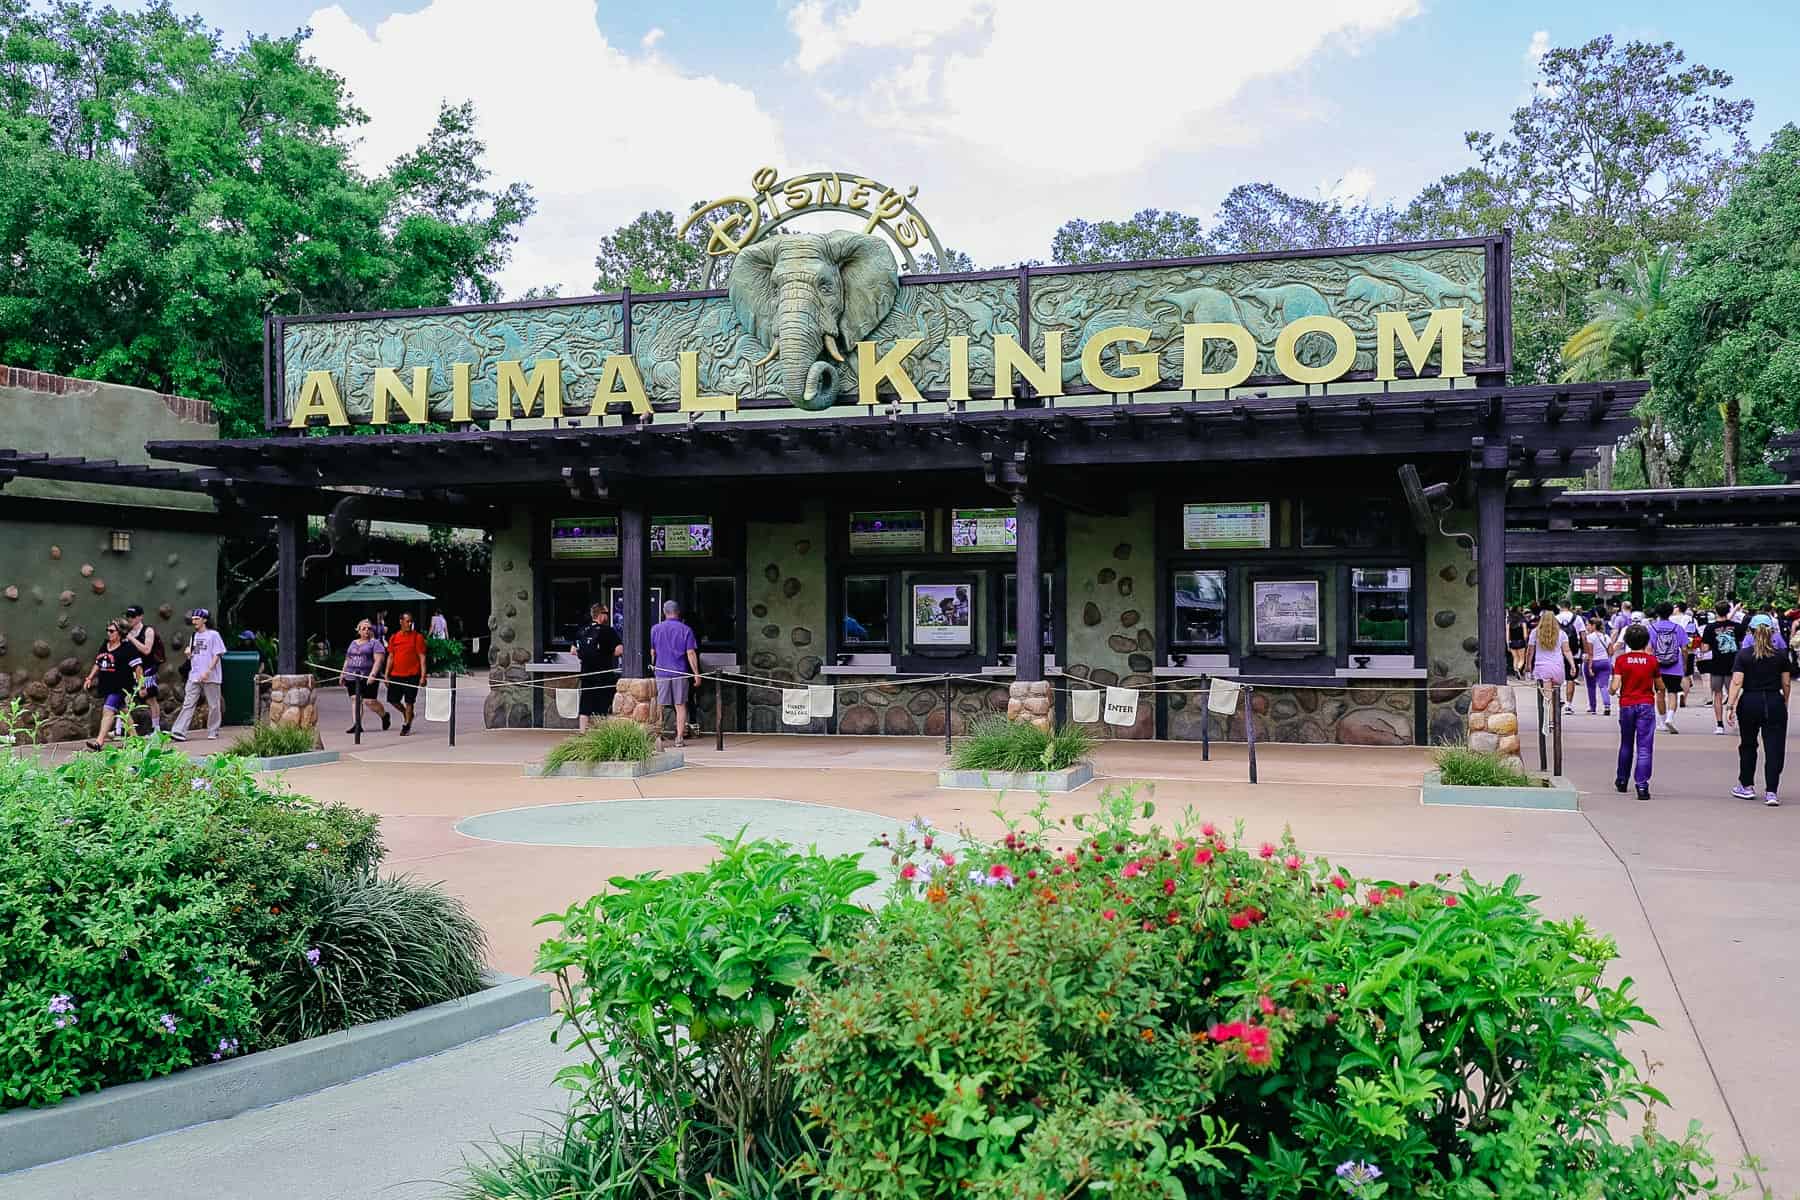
{"x": 785, "y": 608}
{"x": 1111, "y": 620}
{"x": 917, "y": 708}
{"x": 1031, "y": 702}
{"x": 512, "y": 624}
{"x": 635, "y": 700}
{"x": 294, "y": 700}
{"x": 1452, "y": 626}
{"x": 1353, "y": 716}
{"x": 1493, "y": 723}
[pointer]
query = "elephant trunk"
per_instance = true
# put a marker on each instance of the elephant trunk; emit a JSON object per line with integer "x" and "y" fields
{"x": 808, "y": 381}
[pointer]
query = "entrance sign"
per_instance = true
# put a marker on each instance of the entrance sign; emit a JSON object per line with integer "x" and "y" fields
{"x": 887, "y": 532}
{"x": 584, "y": 537}
{"x": 1237, "y": 526}
{"x": 942, "y": 615}
{"x": 681, "y": 537}
{"x": 983, "y": 530}
{"x": 1286, "y": 612}
{"x": 379, "y": 570}
{"x": 1121, "y": 706}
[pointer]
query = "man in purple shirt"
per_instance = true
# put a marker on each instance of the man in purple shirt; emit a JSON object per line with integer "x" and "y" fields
{"x": 675, "y": 661}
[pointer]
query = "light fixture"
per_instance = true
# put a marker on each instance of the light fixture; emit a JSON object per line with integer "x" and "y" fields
{"x": 121, "y": 541}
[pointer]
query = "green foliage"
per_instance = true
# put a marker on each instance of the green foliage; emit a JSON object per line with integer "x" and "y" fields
{"x": 648, "y": 256}
{"x": 444, "y": 656}
{"x": 1119, "y": 1009}
{"x": 273, "y": 741}
{"x": 997, "y": 744}
{"x": 373, "y": 947}
{"x": 582, "y": 1158}
{"x": 163, "y": 191}
{"x": 140, "y": 885}
{"x": 1460, "y": 766}
{"x": 1615, "y": 343}
{"x": 612, "y": 740}
{"x": 679, "y": 991}
{"x": 1253, "y": 217}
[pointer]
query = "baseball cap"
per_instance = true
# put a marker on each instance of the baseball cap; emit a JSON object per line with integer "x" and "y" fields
{"x": 201, "y": 613}
{"x": 1762, "y": 619}
{"x": 134, "y": 610}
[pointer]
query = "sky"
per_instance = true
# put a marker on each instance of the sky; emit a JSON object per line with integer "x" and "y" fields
{"x": 1010, "y": 116}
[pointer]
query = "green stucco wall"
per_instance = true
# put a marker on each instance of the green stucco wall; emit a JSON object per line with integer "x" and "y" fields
{"x": 512, "y": 624}
{"x": 1111, "y": 619}
{"x": 1452, "y": 628}
{"x": 785, "y": 607}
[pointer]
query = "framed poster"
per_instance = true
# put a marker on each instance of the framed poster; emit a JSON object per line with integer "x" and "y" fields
{"x": 681, "y": 537}
{"x": 983, "y": 530}
{"x": 1241, "y": 525}
{"x": 943, "y": 614}
{"x": 899, "y": 531}
{"x": 584, "y": 537}
{"x": 1285, "y": 612}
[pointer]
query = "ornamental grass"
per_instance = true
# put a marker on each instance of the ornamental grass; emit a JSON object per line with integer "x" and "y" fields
{"x": 612, "y": 740}
{"x": 997, "y": 744}
{"x": 1460, "y": 766}
{"x": 267, "y": 740}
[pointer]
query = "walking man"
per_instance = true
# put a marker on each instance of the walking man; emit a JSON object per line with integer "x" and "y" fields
{"x": 675, "y": 659}
{"x": 206, "y": 670}
{"x": 1638, "y": 683}
{"x": 405, "y": 670}
{"x": 598, "y": 647}
{"x": 149, "y": 647}
{"x": 1668, "y": 641}
{"x": 1722, "y": 637}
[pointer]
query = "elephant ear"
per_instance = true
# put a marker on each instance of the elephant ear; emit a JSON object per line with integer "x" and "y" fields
{"x": 871, "y": 281}
{"x": 752, "y": 288}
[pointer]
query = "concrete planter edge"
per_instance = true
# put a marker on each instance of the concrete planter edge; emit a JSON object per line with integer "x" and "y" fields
{"x": 31, "y": 1137}
{"x": 666, "y": 760}
{"x": 283, "y": 762}
{"x": 1560, "y": 796}
{"x": 1068, "y": 780}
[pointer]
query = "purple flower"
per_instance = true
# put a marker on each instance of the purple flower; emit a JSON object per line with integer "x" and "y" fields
{"x": 1356, "y": 1175}
{"x": 312, "y": 845}
{"x": 168, "y": 1022}
{"x": 59, "y": 1022}
{"x": 62, "y": 1002}
{"x": 312, "y": 956}
{"x": 202, "y": 785}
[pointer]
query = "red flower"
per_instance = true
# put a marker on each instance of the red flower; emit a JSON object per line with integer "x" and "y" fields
{"x": 1031, "y": 874}
{"x": 1240, "y": 920}
{"x": 1267, "y": 850}
{"x": 1257, "y": 1037}
{"x": 1207, "y": 830}
{"x": 1178, "y": 847}
{"x": 1110, "y": 914}
{"x": 1396, "y": 891}
{"x": 1227, "y": 1031}
{"x": 1202, "y": 856}
{"x": 1071, "y": 858}
{"x": 1338, "y": 914}
{"x": 1174, "y": 917}
{"x": 1449, "y": 901}
{"x": 1132, "y": 869}
{"x": 949, "y": 859}
{"x": 1148, "y": 926}
{"x": 1259, "y": 1056}
{"x": 1056, "y": 870}
{"x": 1000, "y": 871}
{"x": 909, "y": 871}
{"x": 1168, "y": 887}
{"x": 1267, "y": 1005}
{"x": 928, "y": 841}
{"x": 1291, "y": 862}
{"x": 1340, "y": 883}
{"x": 1376, "y": 896}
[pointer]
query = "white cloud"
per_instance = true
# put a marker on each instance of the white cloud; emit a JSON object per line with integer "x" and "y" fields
{"x": 654, "y": 36}
{"x": 1540, "y": 46}
{"x": 599, "y": 133}
{"x": 1355, "y": 186}
{"x": 1070, "y": 86}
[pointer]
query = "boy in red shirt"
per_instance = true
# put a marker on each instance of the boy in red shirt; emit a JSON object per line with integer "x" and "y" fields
{"x": 1637, "y": 682}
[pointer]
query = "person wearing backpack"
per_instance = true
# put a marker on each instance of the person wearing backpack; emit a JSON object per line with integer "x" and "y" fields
{"x": 149, "y": 647}
{"x": 1722, "y": 636}
{"x": 1668, "y": 641}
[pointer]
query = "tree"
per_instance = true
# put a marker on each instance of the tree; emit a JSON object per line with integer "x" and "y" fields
{"x": 647, "y": 255}
{"x": 1148, "y": 234}
{"x": 954, "y": 260}
{"x": 1256, "y": 217}
{"x": 162, "y": 193}
{"x": 1623, "y": 150}
{"x": 1727, "y": 345}
{"x": 1615, "y": 343}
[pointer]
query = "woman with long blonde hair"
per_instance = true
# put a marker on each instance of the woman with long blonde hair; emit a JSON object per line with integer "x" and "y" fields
{"x": 1552, "y": 664}
{"x": 1760, "y": 683}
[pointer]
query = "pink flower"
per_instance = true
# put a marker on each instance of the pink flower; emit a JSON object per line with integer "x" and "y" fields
{"x": 1178, "y": 847}
{"x": 1202, "y": 856}
{"x": 1267, "y": 850}
{"x": 1071, "y": 858}
{"x": 1031, "y": 874}
{"x": 1338, "y": 914}
{"x": 1449, "y": 901}
{"x": 1168, "y": 887}
{"x": 1259, "y": 1056}
{"x": 1240, "y": 920}
{"x": 1110, "y": 914}
{"x": 1291, "y": 862}
{"x": 949, "y": 859}
{"x": 909, "y": 871}
{"x": 1340, "y": 883}
{"x": 1133, "y": 869}
{"x": 1376, "y": 896}
{"x": 1257, "y": 1037}
{"x": 1002, "y": 872}
{"x": 1267, "y": 1005}
{"x": 1207, "y": 830}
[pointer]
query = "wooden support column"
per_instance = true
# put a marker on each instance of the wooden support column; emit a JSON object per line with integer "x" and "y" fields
{"x": 634, "y": 567}
{"x": 1490, "y": 574}
{"x": 1029, "y": 662}
{"x": 290, "y": 545}
{"x": 1637, "y": 587}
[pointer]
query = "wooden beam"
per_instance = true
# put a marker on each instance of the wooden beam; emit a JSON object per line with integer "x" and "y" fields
{"x": 1646, "y": 546}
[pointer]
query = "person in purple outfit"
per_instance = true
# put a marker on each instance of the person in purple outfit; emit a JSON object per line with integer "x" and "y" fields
{"x": 1668, "y": 641}
{"x": 675, "y": 663}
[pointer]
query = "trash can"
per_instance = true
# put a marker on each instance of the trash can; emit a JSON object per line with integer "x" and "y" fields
{"x": 238, "y": 687}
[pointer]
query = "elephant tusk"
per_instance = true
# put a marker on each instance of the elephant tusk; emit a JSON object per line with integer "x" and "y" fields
{"x": 832, "y": 346}
{"x": 774, "y": 348}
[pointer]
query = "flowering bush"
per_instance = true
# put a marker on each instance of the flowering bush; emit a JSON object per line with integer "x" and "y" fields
{"x": 1152, "y": 1013}
{"x": 143, "y": 902}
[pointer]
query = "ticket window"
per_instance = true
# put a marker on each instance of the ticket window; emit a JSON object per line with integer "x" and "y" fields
{"x": 1009, "y": 629}
{"x": 1381, "y": 614}
{"x": 868, "y": 615}
{"x": 1199, "y": 620}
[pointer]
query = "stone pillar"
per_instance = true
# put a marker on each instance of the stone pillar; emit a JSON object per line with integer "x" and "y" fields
{"x": 1029, "y": 700}
{"x": 636, "y": 701}
{"x": 1494, "y": 723}
{"x": 1490, "y": 574}
{"x": 294, "y": 700}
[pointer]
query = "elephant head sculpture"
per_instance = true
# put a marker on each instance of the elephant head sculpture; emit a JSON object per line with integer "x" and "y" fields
{"x": 810, "y": 297}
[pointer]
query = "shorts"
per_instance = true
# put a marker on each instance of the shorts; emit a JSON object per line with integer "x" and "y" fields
{"x": 114, "y": 701}
{"x": 1515, "y": 645}
{"x": 1671, "y": 681}
{"x": 404, "y": 689}
{"x": 597, "y": 700}
{"x": 672, "y": 689}
{"x": 149, "y": 688}
{"x": 360, "y": 688}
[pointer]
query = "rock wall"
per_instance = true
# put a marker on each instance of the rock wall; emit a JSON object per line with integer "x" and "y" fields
{"x": 1111, "y": 622}
{"x": 59, "y": 586}
{"x": 1355, "y": 716}
{"x": 918, "y": 708}
{"x": 1031, "y": 702}
{"x": 785, "y": 606}
{"x": 1452, "y": 628}
{"x": 511, "y": 626}
{"x": 294, "y": 700}
{"x": 1494, "y": 723}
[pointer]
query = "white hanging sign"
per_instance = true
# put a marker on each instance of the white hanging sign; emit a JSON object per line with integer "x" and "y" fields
{"x": 821, "y": 700}
{"x": 796, "y": 707}
{"x": 1224, "y": 698}
{"x": 1084, "y": 706}
{"x": 1121, "y": 706}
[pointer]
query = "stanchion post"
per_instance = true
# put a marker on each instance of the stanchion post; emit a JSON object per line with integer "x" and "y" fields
{"x": 1543, "y": 750}
{"x": 1205, "y": 719}
{"x": 453, "y": 708}
{"x": 1556, "y": 737}
{"x": 946, "y": 714}
{"x": 1250, "y": 725}
{"x": 718, "y": 712}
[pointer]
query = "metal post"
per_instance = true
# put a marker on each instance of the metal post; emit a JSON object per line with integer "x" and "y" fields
{"x": 1205, "y": 719}
{"x": 946, "y": 714}
{"x": 1250, "y": 725}
{"x": 718, "y": 712}
{"x": 453, "y": 708}
{"x": 1556, "y": 732}
{"x": 1543, "y": 751}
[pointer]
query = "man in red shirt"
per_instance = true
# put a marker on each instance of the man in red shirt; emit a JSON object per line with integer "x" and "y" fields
{"x": 405, "y": 669}
{"x": 1637, "y": 682}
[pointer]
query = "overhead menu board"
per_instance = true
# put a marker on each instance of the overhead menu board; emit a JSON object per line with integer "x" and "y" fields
{"x": 898, "y": 531}
{"x": 1241, "y": 525}
{"x": 983, "y": 530}
{"x": 584, "y": 537}
{"x": 681, "y": 537}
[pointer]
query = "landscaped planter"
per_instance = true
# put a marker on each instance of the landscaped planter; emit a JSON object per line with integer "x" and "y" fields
{"x": 1557, "y": 794}
{"x": 30, "y": 1137}
{"x": 282, "y": 762}
{"x": 666, "y": 760}
{"x": 1066, "y": 780}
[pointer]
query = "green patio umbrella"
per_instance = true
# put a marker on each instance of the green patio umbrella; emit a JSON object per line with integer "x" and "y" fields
{"x": 374, "y": 590}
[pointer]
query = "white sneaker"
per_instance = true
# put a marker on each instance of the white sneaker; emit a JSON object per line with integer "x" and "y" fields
{"x": 1770, "y": 801}
{"x": 1743, "y": 793}
{"x": 1568, "y": 710}
{"x": 1669, "y": 727}
{"x": 1718, "y": 730}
